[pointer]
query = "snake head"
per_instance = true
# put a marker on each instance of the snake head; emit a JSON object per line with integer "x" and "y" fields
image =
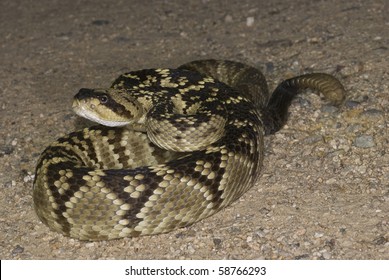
{"x": 109, "y": 107}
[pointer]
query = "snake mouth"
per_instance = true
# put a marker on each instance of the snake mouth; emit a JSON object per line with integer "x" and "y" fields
{"x": 82, "y": 109}
{"x": 76, "y": 104}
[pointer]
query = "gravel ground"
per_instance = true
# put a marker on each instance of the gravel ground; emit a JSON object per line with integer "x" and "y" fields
{"x": 324, "y": 189}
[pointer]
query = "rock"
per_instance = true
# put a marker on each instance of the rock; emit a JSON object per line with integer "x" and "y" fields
{"x": 326, "y": 255}
{"x": 329, "y": 109}
{"x": 352, "y": 104}
{"x": 364, "y": 141}
{"x": 228, "y": 18}
{"x": 250, "y": 21}
{"x": 373, "y": 113}
{"x": 17, "y": 250}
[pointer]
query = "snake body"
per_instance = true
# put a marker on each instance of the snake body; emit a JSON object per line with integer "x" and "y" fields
{"x": 187, "y": 143}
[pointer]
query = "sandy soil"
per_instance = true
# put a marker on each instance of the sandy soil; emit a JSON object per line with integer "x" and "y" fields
{"x": 325, "y": 184}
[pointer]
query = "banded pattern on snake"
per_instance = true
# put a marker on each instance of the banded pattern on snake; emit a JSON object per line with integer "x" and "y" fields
{"x": 174, "y": 146}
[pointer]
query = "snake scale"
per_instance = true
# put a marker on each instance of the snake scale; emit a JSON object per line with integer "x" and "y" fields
{"x": 174, "y": 146}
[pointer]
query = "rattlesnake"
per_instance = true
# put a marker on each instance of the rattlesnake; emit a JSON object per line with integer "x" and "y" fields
{"x": 187, "y": 143}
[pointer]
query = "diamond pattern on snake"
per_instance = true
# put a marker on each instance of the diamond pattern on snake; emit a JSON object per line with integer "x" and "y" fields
{"x": 172, "y": 147}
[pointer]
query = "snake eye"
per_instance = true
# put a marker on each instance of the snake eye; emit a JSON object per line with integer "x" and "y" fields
{"x": 103, "y": 99}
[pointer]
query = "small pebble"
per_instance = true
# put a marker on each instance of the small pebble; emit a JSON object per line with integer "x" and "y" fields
{"x": 301, "y": 231}
{"x": 329, "y": 109}
{"x": 326, "y": 255}
{"x": 381, "y": 240}
{"x": 250, "y": 21}
{"x": 354, "y": 128}
{"x": 217, "y": 242}
{"x": 228, "y": 18}
{"x": 352, "y": 104}
{"x": 17, "y": 250}
{"x": 314, "y": 40}
{"x": 331, "y": 181}
{"x": 28, "y": 178}
{"x": 300, "y": 257}
{"x": 373, "y": 113}
{"x": 364, "y": 141}
{"x": 303, "y": 102}
{"x": 260, "y": 233}
{"x": 7, "y": 150}
{"x": 100, "y": 22}
{"x": 313, "y": 139}
{"x": 191, "y": 249}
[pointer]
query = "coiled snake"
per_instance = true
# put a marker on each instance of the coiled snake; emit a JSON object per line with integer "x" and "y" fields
{"x": 187, "y": 142}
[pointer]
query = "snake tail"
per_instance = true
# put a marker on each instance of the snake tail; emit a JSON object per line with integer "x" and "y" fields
{"x": 276, "y": 112}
